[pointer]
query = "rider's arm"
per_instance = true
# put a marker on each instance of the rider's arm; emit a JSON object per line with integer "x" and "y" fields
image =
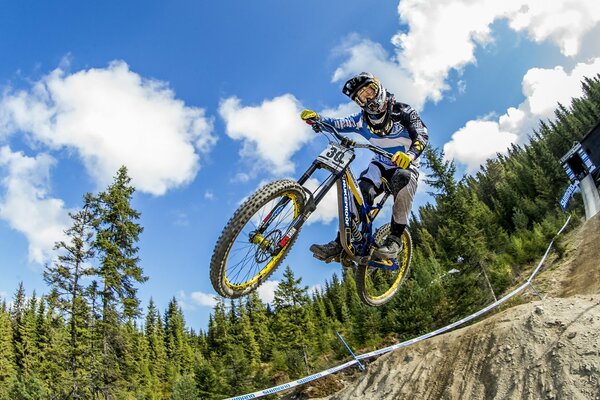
{"x": 417, "y": 130}
{"x": 346, "y": 124}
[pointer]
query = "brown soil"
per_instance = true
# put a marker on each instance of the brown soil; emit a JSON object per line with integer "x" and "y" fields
{"x": 545, "y": 349}
{"x": 582, "y": 271}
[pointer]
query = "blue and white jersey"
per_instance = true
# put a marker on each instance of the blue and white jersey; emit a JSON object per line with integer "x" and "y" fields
{"x": 407, "y": 134}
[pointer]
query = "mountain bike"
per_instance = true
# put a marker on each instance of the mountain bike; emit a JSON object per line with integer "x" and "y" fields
{"x": 264, "y": 228}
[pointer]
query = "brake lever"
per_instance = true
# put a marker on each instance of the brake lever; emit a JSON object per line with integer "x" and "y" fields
{"x": 347, "y": 142}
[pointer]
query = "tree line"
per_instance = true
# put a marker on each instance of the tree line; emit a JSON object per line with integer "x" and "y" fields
{"x": 89, "y": 339}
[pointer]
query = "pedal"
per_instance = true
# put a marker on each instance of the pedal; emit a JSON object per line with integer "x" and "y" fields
{"x": 327, "y": 260}
{"x": 391, "y": 264}
{"x": 364, "y": 260}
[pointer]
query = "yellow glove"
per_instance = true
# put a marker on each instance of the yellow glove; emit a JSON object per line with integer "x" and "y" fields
{"x": 402, "y": 160}
{"x": 307, "y": 115}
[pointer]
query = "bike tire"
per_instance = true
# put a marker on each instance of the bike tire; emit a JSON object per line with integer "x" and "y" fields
{"x": 250, "y": 209}
{"x": 389, "y": 281}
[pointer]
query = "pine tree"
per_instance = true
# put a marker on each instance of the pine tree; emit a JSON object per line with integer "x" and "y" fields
{"x": 219, "y": 331}
{"x": 157, "y": 356}
{"x": 65, "y": 277}
{"x": 143, "y": 378}
{"x": 117, "y": 233}
{"x": 185, "y": 388}
{"x": 54, "y": 351}
{"x": 336, "y": 295}
{"x": 134, "y": 360}
{"x": 178, "y": 349}
{"x": 17, "y": 312}
{"x": 292, "y": 324}
{"x": 24, "y": 330}
{"x": 323, "y": 323}
{"x": 208, "y": 381}
{"x": 259, "y": 321}
{"x": 246, "y": 336}
{"x": 8, "y": 371}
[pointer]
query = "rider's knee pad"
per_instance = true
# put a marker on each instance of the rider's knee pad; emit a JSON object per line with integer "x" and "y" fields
{"x": 368, "y": 191}
{"x": 400, "y": 179}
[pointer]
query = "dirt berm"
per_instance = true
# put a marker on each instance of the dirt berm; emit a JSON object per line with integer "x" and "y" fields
{"x": 545, "y": 349}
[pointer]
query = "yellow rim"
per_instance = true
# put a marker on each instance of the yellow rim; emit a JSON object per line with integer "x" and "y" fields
{"x": 401, "y": 272}
{"x": 274, "y": 260}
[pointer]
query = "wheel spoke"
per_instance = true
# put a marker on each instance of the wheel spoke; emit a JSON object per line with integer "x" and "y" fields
{"x": 247, "y": 259}
{"x": 377, "y": 284}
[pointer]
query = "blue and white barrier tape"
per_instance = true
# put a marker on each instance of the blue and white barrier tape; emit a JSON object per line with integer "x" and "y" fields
{"x": 295, "y": 383}
{"x": 384, "y": 350}
{"x": 472, "y": 316}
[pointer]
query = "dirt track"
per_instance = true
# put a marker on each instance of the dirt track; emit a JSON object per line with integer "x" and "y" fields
{"x": 548, "y": 349}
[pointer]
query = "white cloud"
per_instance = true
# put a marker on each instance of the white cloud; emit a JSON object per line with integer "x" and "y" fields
{"x": 112, "y": 117}
{"x": 183, "y": 301}
{"x": 26, "y": 204}
{"x": 477, "y": 141}
{"x": 366, "y": 55}
{"x": 443, "y": 36}
{"x": 241, "y": 177}
{"x": 180, "y": 218}
{"x": 327, "y": 210}
{"x": 194, "y": 299}
{"x": 543, "y": 88}
{"x": 270, "y": 133}
{"x": 315, "y": 288}
{"x": 341, "y": 111}
{"x": 266, "y": 291}
{"x": 203, "y": 299}
{"x": 563, "y": 22}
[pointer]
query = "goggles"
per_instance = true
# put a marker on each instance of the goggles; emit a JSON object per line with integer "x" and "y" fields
{"x": 365, "y": 95}
{"x": 368, "y": 98}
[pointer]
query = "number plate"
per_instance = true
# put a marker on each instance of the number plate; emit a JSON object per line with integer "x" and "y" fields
{"x": 336, "y": 157}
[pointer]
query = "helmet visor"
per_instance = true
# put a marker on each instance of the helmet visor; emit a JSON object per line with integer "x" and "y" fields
{"x": 371, "y": 98}
{"x": 366, "y": 95}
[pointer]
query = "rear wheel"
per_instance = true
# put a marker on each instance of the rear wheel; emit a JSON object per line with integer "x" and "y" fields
{"x": 377, "y": 285}
{"x": 244, "y": 257}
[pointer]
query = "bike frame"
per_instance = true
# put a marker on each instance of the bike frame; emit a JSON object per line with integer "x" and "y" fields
{"x": 356, "y": 236}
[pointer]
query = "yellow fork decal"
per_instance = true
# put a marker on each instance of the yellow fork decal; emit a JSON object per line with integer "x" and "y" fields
{"x": 350, "y": 181}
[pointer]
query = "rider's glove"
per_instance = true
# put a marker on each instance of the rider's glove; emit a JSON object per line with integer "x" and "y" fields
{"x": 310, "y": 116}
{"x": 401, "y": 159}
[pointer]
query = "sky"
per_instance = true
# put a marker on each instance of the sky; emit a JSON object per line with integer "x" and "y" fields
{"x": 201, "y": 102}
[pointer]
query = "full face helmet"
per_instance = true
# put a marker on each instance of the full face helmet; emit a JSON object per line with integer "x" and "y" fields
{"x": 367, "y": 92}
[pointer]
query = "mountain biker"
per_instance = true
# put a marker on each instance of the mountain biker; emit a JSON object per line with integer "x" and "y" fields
{"x": 393, "y": 126}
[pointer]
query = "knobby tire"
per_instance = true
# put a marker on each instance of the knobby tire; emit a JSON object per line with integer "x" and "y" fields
{"x": 237, "y": 223}
{"x": 363, "y": 272}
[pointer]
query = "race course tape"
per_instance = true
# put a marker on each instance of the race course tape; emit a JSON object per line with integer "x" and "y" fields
{"x": 384, "y": 350}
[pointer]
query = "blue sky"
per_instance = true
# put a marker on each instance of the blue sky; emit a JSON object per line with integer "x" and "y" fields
{"x": 201, "y": 100}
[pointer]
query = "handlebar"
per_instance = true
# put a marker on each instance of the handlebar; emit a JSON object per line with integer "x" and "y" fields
{"x": 351, "y": 143}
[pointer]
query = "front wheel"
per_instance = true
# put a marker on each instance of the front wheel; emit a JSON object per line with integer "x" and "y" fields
{"x": 377, "y": 285}
{"x": 251, "y": 245}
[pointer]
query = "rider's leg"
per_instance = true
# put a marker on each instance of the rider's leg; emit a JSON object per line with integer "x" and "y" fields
{"x": 404, "y": 186}
{"x": 368, "y": 190}
{"x": 370, "y": 183}
{"x": 328, "y": 251}
{"x": 332, "y": 250}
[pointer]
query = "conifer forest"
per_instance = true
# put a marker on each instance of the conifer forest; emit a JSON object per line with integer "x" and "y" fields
{"x": 89, "y": 336}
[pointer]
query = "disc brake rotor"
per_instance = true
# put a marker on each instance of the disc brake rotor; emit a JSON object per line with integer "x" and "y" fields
{"x": 266, "y": 245}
